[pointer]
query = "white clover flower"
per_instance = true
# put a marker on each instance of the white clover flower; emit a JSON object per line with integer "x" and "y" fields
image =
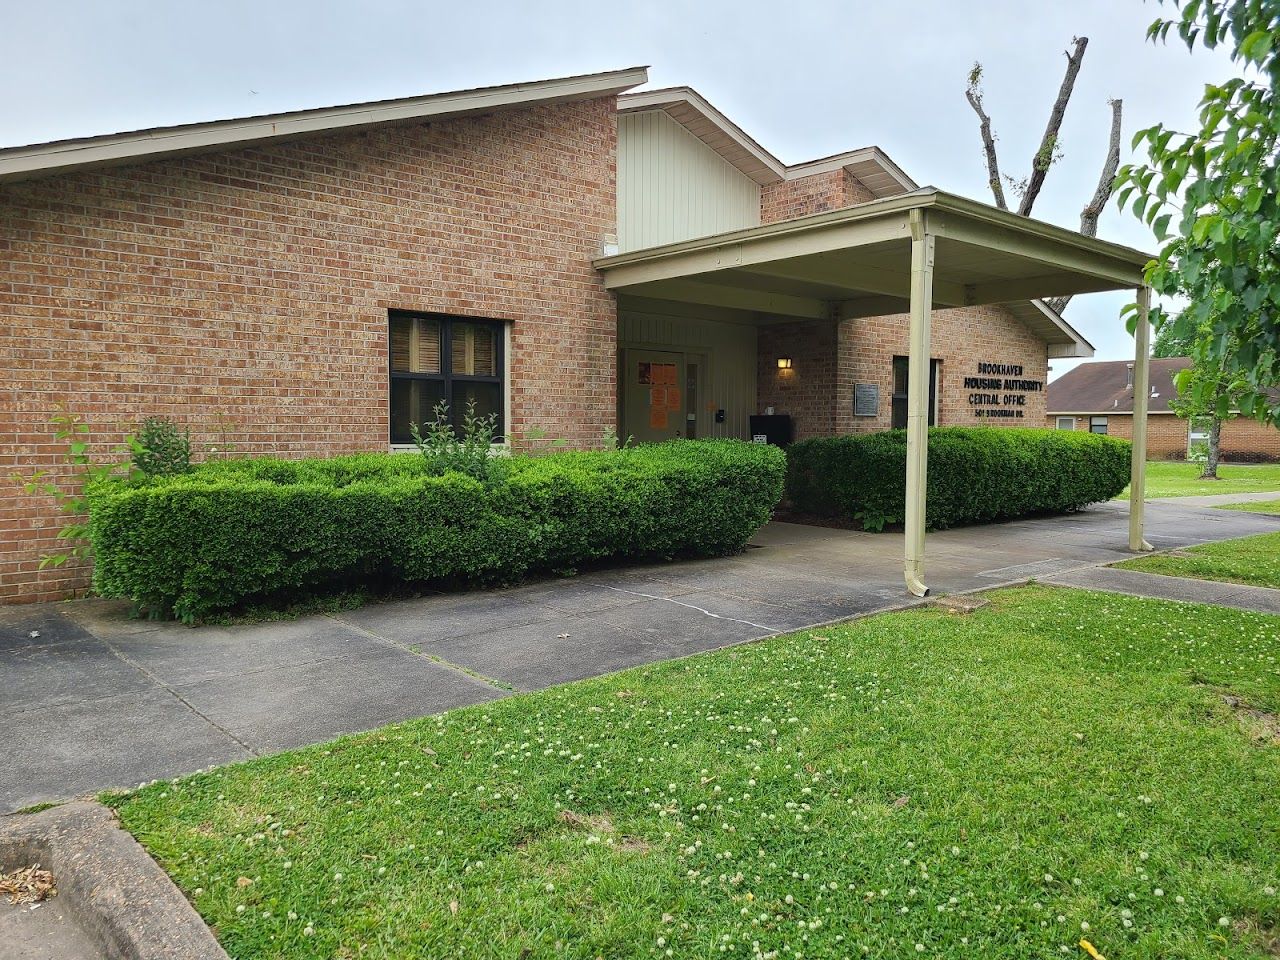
{"x": 240, "y": 909}
{"x": 308, "y": 930}
{"x": 1224, "y": 921}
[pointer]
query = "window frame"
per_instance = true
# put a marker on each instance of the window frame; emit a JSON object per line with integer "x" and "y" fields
{"x": 1093, "y": 423}
{"x": 899, "y": 401}
{"x": 446, "y": 377}
{"x": 1069, "y": 420}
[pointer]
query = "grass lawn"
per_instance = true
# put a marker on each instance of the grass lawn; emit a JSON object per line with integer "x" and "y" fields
{"x": 1251, "y": 560}
{"x": 1256, "y": 506}
{"x": 1165, "y": 479}
{"x": 1057, "y": 764}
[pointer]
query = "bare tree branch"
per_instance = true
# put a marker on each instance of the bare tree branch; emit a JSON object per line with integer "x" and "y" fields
{"x": 1048, "y": 151}
{"x": 1106, "y": 183}
{"x": 974, "y": 95}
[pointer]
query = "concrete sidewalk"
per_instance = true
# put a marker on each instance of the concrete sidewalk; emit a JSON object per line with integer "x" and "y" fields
{"x": 1219, "y": 499}
{"x": 1158, "y": 586}
{"x": 92, "y": 699}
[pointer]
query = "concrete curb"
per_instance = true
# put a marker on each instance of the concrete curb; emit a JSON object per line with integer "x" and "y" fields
{"x": 108, "y": 883}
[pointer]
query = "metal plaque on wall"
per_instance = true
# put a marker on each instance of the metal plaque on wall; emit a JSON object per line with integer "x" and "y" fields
{"x": 866, "y": 399}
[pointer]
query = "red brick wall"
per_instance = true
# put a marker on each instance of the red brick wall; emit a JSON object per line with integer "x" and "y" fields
{"x": 1242, "y": 439}
{"x": 961, "y": 339}
{"x": 1248, "y": 439}
{"x": 252, "y": 288}
{"x": 807, "y": 390}
{"x": 803, "y": 196}
{"x": 829, "y": 359}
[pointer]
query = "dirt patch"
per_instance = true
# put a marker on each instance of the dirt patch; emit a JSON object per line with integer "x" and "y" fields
{"x": 960, "y": 603}
{"x": 1267, "y": 939}
{"x": 1260, "y": 725}
{"x": 633, "y": 845}
{"x": 601, "y": 824}
{"x": 28, "y": 885}
{"x": 596, "y": 822}
{"x": 787, "y": 515}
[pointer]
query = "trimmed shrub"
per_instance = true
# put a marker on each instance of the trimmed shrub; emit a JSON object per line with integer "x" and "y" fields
{"x": 241, "y": 530}
{"x": 976, "y": 474}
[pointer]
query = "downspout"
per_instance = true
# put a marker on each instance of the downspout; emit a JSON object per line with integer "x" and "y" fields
{"x": 1141, "y": 400}
{"x": 918, "y": 376}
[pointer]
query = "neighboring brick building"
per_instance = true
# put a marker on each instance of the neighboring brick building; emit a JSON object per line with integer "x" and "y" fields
{"x": 309, "y": 283}
{"x": 1098, "y": 397}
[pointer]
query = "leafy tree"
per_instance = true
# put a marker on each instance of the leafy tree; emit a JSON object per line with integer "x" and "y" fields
{"x": 1210, "y": 391}
{"x": 1168, "y": 344}
{"x": 1207, "y": 390}
{"x": 1211, "y": 197}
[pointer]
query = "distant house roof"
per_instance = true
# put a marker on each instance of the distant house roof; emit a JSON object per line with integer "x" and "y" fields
{"x": 64, "y": 156}
{"x": 1104, "y": 387}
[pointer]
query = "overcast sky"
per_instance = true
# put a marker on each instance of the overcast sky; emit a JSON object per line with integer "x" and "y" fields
{"x": 806, "y": 79}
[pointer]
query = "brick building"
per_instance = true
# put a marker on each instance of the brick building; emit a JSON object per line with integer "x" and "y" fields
{"x": 310, "y": 283}
{"x": 1098, "y": 397}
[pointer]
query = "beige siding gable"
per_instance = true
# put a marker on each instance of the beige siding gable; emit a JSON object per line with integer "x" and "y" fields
{"x": 672, "y": 186}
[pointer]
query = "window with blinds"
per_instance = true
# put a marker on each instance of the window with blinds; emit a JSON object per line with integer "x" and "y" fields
{"x": 435, "y": 358}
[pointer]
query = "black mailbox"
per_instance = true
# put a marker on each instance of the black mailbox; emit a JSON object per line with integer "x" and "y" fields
{"x": 775, "y": 428}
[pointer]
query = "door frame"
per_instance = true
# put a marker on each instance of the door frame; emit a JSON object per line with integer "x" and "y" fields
{"x": 701, "y": 357}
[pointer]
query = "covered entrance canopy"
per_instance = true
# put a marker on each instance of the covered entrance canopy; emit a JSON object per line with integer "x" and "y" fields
{"x": 907, "y": 254}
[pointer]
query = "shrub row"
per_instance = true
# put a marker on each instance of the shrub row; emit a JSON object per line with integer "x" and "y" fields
{"x": 975, "y": 474}
{"x": 241, "y": 530}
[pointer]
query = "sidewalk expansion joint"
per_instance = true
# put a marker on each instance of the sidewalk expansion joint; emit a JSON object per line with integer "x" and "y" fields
{"x": 169, "y": 689}
{"x": 410, "y": 649}
{"x": 690, "y": 606}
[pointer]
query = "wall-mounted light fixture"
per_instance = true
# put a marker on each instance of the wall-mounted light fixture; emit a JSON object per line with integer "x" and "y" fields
{"x": 784, "y": 363}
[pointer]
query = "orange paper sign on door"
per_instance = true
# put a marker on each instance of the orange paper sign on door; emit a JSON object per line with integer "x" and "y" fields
{"x": 657, "y": 418}
{"x": 673, "y": 399}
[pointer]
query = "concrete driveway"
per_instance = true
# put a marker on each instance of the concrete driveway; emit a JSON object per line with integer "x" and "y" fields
{"x": 91, "y": 699}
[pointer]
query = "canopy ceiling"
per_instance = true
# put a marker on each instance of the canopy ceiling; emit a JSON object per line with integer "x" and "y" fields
{"x": 856, "y": 262}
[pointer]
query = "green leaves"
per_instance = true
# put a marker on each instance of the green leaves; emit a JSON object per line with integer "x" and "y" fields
{"x": 237, "y": 531}
{"x": 1220, "y": 255}
{"x": 975, "y": 474}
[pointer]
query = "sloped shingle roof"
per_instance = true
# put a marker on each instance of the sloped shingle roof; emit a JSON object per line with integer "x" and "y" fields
{"x": 1103, "y": 387}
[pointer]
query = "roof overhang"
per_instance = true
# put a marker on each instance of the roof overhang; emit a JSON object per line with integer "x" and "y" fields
{"x": 855, "y": 262}
{"x": 64, "y": 156}
{"x": 690, "y": 109}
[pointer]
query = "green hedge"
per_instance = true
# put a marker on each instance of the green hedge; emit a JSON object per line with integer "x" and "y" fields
{"x": 976, "y": 474}
{"x": 243, "y": 530}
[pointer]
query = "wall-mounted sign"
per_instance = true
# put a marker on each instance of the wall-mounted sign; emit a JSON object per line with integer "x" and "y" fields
{"x": 999, "y": 391}
{"x": 866, "y": 399}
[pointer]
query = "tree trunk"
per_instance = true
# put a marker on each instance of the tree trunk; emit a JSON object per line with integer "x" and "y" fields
{"x": 1044, "y": 157}
{"x": 974, "y": 96}
{"x": 1210, "y": 471}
